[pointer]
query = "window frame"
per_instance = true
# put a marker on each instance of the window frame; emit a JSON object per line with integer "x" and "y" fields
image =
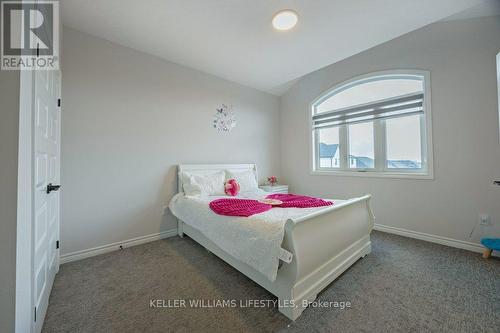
{"x": 379, "y": 130}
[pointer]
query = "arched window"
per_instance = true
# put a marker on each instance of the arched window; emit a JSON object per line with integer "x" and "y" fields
{"x": 376, "y": 124}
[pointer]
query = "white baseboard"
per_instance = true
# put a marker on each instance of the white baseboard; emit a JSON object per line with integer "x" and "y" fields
{"x": 78, "y": 255}
{"x": 431, "y": 238}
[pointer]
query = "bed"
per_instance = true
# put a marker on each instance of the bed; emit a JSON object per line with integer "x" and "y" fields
{"x": 316, "y": 245}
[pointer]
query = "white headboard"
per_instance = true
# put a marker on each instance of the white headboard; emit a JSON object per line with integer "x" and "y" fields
{"x": 202, "y": 169}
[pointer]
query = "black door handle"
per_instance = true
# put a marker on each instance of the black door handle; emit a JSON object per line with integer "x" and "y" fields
{"x": 51, "y": 188}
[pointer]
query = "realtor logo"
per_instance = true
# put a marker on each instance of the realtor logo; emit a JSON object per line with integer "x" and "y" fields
{"x": 30, "y": 35}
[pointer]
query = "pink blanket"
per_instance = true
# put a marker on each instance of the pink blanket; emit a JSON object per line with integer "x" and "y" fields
{"x": 238, "y": 207}
{"x": 247, "y": 207}
{"x": 299, "y": 201}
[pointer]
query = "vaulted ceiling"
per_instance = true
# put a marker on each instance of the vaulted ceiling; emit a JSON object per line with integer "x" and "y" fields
{"x": 234, "y": 39}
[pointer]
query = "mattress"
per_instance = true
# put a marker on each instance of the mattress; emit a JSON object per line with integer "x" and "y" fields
{"x": 254, "y": 240}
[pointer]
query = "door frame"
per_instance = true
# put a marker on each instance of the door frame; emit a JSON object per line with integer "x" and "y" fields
{"x": 24, "y": 301}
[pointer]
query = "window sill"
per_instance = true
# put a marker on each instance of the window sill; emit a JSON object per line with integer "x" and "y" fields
{"x": 374, "y": 174}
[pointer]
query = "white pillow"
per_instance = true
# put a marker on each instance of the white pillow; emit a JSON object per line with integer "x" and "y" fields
{"x": 189, "y": 189}
{"x": 211, "y": 184}
{"x": 246, "y": 179}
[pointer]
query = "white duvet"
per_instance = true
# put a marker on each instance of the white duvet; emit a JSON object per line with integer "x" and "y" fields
{"x": 254, "y": 240}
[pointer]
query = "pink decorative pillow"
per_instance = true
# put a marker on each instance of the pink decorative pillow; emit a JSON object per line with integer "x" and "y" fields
{"x": 231, "y": 187}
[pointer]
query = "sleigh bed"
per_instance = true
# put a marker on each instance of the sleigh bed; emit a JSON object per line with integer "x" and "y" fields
{"x": 317, "y": 246}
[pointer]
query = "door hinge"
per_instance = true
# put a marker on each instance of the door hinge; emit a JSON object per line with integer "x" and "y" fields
{"x": 35, "y": 313}
{"x": 58, "y": 102}
{"x": 57, "y": 244}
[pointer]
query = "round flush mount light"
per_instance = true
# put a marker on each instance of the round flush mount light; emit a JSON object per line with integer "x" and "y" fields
{"x": 285, "y": 19}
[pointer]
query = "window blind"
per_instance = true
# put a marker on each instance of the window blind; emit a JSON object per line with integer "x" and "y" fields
{"x": 398, "y": 106}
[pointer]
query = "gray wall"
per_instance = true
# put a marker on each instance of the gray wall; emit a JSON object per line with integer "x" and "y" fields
{"x": 461, "y": 58}
{"x": 127, "y": 120}
{"x": 9, "y": 125}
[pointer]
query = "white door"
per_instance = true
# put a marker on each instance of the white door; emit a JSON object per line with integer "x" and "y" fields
{"x": 46, "y": 177}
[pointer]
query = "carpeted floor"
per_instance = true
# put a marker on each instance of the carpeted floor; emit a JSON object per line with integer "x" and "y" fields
{"x": 404, "y": 285}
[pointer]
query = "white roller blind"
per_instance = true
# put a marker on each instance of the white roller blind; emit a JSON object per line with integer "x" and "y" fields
{"x": 393, "y": 107}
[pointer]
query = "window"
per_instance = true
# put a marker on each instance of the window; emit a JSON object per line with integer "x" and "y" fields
{"x": 361, "y": 146}
{"x": 329, "y": 147}
{"x": 403, "y": 143}
{"x": 375, "y": 125}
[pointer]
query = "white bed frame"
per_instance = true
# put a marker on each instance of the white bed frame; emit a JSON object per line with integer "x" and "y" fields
{"x": 323, "y": 244}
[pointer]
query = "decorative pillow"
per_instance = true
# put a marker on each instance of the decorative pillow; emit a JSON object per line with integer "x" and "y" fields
{"x": 212, "y": 184}
{"x": 189, "y": 189}
{"x": 245, "y": 179}
{"x": 232, "y": 187}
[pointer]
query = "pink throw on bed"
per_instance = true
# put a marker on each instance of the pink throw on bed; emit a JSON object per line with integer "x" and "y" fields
{"x": 247, "y": 207}
{"x": 299, "y": 201}
{"x": 238, "y": 207}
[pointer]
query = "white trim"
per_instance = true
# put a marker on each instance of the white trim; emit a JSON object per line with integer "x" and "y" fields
{"x": 82, "y": 254}
{"x": 372, "y": 174}
{"x": 23, "y": 302}
{"x": 459, "y": 244}
{"x": 498, "y": 88}
{"x": 427, "y": 172}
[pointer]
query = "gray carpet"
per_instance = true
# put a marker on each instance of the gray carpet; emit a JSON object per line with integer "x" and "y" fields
{"x": 404, "y": 285}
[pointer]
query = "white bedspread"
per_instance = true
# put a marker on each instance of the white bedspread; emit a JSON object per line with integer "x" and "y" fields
{"x": 254, "y": 240}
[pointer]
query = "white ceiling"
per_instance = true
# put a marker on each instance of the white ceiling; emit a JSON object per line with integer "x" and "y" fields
{"x": 234, "y": 39}
{"x": 486, "y": 8}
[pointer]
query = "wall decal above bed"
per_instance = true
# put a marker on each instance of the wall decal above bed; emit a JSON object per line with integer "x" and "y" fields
{"x": 224, "y": 119}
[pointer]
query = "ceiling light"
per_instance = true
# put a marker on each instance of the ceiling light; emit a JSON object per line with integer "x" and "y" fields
{"x": 285, "y": 19}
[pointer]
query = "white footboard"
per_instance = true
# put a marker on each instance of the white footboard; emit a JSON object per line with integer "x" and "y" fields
{"x": 324, "y": 244}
